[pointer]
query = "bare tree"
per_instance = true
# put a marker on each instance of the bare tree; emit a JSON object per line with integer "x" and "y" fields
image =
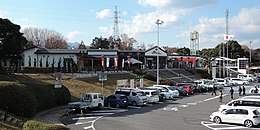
{"x": 45, "y": 38}
{"x": 126, "y": 42}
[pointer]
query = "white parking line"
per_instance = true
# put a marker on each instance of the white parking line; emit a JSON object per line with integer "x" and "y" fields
{"x": 80, "y": 123}
{"x": 214, "y": 98}
{"x": 94, "y": 114}
{"x": 215, "y": 126}
{"x": 113, "y": 110}
{"x": 83, "y": 118}
{"x": 191, "y": 103}
{"x": 183, "y": 106}
{"x": 88, "y": 127}
{"x": 134, "y": 107}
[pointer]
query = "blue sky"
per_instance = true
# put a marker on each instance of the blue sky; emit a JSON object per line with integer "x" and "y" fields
{"x": 86, "y": 19}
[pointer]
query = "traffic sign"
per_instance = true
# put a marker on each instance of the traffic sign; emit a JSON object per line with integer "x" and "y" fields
{"x": 102, "y": 76}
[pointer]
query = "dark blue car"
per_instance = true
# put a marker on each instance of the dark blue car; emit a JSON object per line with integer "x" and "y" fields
{"x": 116, "y": 100}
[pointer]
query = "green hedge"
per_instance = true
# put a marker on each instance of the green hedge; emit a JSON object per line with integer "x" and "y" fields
{"x": 24, "y": 100}
{"x": 35, "y": 125}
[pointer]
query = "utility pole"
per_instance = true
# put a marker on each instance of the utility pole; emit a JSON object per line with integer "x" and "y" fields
{"x": 227, "y": 41}
{"x": 158, "y": 22}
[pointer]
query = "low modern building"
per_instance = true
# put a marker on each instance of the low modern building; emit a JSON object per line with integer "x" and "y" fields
{"x": 104, "y": 59}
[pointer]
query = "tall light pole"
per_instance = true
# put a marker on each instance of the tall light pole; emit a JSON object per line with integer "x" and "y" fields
{"x": 158, "y": 22}
{"x": 250, "y": 53}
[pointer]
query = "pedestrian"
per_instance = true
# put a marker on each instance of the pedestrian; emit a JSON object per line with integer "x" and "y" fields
{"x": 240, "y": 90}
{"x": 231, "y": 92}
{"x": 214, "y": 90}
{"x": 256, "y": 90}
{"x": 220, "y": 96}
{"x": 244, "y": 90}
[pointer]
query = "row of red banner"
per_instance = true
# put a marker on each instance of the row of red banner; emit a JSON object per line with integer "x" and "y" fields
{"x": 115, "y": 60}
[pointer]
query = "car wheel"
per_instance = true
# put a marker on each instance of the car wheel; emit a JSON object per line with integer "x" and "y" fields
{"x": 248, "y": 123}
{"x": 117, "y": 105}
{"x": 244, "y": 83}
{"x": 252, "y": 91}
{"x": 134, "y": 103}
{"x": 217, "y": 120}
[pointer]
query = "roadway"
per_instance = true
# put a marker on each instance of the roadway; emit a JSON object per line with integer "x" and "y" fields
{"x": 187, "y": 113}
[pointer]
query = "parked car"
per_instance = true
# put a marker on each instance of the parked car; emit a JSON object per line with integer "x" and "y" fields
{"x": 257, "y": 78}
{"x": 166, "y": 92}
{"x": 153, "y": 95}
{"x": 181, "y": 91}
{"x": 241, "y": 102}
{"x": 188, "y": 87}
{"x": 161, "y": 94}
{"x": 239, "y": 81}
{"x": 253, "y": 89}
{"x": 175, "y": 93}
{"x": 244, "y": 116}
{"x": 247, "y": 77}
{"x": 224, "y": 82}
{"x": 210, "y": 85}
{"x": 135, "y": 97}
{"x": 116, "y": 100}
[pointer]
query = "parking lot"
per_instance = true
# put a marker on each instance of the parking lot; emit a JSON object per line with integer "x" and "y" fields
{"x": 190, "y": 112}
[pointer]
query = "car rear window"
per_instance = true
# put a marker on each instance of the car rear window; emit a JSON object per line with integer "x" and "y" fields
{"x": 256, "y": 112}
{"x": 154, "y": 93}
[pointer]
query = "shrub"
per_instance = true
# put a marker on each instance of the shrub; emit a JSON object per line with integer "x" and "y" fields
{"x": 35, "y": 125}
{"x": 17, "y": 99}
{"x": 150, "y": 76}
{"x": 24, "y": 100}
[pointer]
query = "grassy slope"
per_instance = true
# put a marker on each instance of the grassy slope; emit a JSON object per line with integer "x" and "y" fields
{"x": 90, "y": 84}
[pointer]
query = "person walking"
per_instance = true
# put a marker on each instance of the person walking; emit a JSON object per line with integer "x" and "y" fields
{"x": 214, "y": 90}
{"x": 240, "y": 90}
{"x": 244, "y": 90}
{"x": 231, "y": 91}
{"x": 220, "y": 96}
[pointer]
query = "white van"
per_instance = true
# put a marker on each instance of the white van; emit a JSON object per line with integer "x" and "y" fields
{"x": 247, "y": 77}
{"x": 152, "y": 95}
{"x": 242, "y": 102}
{"x": 164, "y": 91}
{"x": 135, "y": 97}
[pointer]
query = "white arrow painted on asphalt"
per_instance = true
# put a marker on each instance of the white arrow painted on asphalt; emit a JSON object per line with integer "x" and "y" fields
{"x": 175, "y": 109}
{"x": 183, "y": 106}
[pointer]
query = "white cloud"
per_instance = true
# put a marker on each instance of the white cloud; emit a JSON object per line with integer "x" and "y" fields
{"x": 74, "y": 35}
{"x": 106, "y": 13}
{"x": 176, "y": 3}
{"x": 145, "y": 23}
{"x": 245, "y": 26}
{"x": 3, "y": 14}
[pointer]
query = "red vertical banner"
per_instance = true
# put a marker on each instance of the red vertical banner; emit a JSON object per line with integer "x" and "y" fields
{"x": 103, "y": 62}
{"x": 128, "y": 61}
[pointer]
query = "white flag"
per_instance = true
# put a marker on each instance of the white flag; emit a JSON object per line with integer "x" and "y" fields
{"x": 108, "y": 61}
{"x": 229, "y": 37}
{"x": 123, "y": 63}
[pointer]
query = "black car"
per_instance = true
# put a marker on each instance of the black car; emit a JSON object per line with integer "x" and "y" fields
{"x": 116, "y": 100}
{"x": 258, "y": 79}
{"x": 181, "y": 91}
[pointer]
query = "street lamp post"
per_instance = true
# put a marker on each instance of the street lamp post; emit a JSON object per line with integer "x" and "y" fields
{"x": 158, "y": 22}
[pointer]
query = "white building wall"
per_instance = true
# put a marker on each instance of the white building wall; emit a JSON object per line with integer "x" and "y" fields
{"x": 30, "y": 53}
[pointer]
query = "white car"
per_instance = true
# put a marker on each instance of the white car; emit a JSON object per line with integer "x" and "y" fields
{"x": 239, "y": 81}
{"x": 152, "y": 95}
{"x": 175, "y": 93}
{"x": 241, "y": 103}
{"x": 248, "y": 77}
{"x": 244, "y": 116}
{"x": 164, "y": 91}
{"x": 252, "y": 90}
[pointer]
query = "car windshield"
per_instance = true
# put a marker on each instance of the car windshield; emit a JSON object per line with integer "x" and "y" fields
{"x": 140, "y": 93}
{"x": 172, "y": 88}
